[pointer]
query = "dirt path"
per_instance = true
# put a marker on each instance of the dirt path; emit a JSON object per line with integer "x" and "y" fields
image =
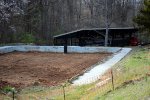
{"x": 35, "y": 68}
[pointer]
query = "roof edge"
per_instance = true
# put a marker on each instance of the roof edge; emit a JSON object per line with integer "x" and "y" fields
{"x": 82, "y": 29}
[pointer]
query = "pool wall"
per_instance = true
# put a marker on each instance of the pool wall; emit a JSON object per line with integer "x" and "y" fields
{"x": 57, "y": 49}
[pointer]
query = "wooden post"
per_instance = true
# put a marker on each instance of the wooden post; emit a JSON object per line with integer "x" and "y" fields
{"x": 54, "y": 42}
{"x": 112, "y": 42}
{"x": 65, "y": 46}
{"x": 146, "y": 77}
{"x": 124, "y": 40}
{"x": 112, "y": 79}
{"x": 13, "y": 94}
{"x": 70, "y": 41}
{"x": 64, "y": 92}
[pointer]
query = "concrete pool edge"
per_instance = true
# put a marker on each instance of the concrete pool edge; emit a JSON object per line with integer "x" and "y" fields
{"x": 95, "y": 73}
{"x": 59, "y": 49}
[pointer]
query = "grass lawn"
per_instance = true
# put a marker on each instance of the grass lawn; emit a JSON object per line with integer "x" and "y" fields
{"x": 133, "y": 67}
{"x": 138, "y": 91}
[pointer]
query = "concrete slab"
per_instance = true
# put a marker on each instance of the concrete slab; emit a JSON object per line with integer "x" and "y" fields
{"x": 6, "y": 49}
{"x": 95, "y": 73}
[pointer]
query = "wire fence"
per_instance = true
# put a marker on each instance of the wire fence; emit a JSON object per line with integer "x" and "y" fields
{"x": 111, "y": 80}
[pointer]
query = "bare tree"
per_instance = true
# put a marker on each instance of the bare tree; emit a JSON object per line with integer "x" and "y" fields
{"x": 46, "y": 18}
{"x": 8, "y": 11}
{"x": 112, "y": 13}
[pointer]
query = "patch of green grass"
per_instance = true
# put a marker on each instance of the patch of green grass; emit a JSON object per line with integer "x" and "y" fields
{"x": 137, "y": 91}
{"x": 75, "y": 93}
{"x": 8, "y": 89}
{"x": 5, "y": 97}
{"x": 136, "y": 65}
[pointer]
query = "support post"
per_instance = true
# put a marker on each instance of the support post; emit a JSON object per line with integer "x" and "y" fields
{"x": 65, "y": 47}
{"x": 70, "y": 41}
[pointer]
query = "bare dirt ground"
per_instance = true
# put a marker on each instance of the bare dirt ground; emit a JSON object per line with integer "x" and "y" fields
{"x": 50, "y": 69}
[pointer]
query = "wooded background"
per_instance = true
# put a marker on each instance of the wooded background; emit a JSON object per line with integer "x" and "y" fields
{"x": 38, "y": 21}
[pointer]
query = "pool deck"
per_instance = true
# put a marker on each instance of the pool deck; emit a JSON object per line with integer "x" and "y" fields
{"x": 95, "y": 73}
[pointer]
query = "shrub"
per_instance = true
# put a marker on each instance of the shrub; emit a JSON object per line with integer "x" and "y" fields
{"x": 27, "y": 38}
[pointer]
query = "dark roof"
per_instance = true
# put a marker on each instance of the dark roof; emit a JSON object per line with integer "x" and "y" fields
{"x": 78, "y": 32}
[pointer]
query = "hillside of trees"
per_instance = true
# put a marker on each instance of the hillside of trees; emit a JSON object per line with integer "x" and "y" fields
{"x": 37, "y": 21}
{"x": 142, "y": 19}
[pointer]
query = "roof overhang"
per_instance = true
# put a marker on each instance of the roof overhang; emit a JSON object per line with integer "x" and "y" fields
{"x": 132, "y": 29}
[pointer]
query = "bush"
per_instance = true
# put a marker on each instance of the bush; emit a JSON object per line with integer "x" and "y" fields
{"x": 8, "y": 89}
{"x": 40, "y": 41}
{"x": 27, "y": 38}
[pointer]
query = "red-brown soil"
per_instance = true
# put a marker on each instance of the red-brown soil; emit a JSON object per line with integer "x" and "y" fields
{"x": 35, "y": 68}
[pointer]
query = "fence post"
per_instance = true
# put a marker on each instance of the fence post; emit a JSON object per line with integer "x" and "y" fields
{"x": 13, "y": 92}
{"x": 64, "y": 92}
{"x": 146, "y": 77}
{"x": 112, "y": 78}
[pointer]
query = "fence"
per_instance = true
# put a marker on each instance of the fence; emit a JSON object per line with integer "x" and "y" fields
{"x": 111, "y": 80}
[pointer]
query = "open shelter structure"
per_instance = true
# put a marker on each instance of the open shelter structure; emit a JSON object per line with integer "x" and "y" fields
{"x": 96, "y": 37}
